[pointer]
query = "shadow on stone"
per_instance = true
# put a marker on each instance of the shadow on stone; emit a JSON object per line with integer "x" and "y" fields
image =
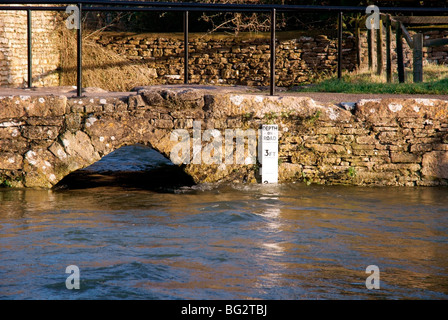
{"x": 165, "y": 178}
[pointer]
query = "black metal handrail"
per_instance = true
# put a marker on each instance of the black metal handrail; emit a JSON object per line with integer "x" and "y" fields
{"x": 109, "y": 5}
{"x": 182, "y": 6}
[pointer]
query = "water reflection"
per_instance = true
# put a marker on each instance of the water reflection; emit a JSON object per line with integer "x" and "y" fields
{"x": 289, "y": 241}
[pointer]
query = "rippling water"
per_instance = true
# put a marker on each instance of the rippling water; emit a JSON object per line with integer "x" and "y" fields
{"x": 287, "y": 241}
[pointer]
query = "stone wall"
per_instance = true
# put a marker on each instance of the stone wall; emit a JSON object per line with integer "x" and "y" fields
{"x": 13, "y": 48}
{"x": 224, "y": 59}
{"x": 372, "y": 142}
{"x": 437, "y": 54}
{"x": 219, "y": 59}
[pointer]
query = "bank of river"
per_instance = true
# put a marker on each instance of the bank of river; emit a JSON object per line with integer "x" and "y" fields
{"x": 233, "y": 241}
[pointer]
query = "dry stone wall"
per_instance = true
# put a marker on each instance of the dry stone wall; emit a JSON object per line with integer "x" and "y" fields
{"x": 399, "y": 142}
{"x": 220, "y": 59}
{"x": 437, "y": 54}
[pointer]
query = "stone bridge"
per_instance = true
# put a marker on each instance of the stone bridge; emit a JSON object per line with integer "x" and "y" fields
{"x": 390, "y": 141}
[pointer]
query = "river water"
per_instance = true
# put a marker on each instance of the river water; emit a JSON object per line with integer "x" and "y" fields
{"x": 232, "y": 241}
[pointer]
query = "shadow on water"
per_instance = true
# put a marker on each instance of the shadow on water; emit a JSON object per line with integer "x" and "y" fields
{"x": 131, "y": 167}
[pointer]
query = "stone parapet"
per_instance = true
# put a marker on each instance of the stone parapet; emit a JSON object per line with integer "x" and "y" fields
{"x": 399, "y": 142}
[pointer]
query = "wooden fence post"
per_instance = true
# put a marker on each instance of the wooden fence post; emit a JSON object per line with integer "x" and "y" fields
{"x": 370, "y": 48}
{"x": 358, "y": 46}
{"x": 379, "y": 49}
{"x": 339, "y": 45}
{"x": 418, "y": 57}
{"x": 388, "y": 53}
{"x": 400, "y": 62}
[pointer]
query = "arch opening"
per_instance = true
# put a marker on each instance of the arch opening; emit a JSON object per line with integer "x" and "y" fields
{"x": 132, "y": 166}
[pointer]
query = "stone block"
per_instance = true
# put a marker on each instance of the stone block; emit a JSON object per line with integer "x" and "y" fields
{"x": 151, "y": 98}
{"x": 89, "y": 108}
{"x": 79, "y": 147}
{"x": 39, "y": 165}
{"x": 163, "y": 124}
{"x": 46, "y": 106}
{"x": 12, "y": 107}
{"x": 40, "y": 132}
{"x": 435, "y": 164}
{"x": 76, "y": 108}
{"x": 405, "y": 157}
{"x": 419, "y": 148}
{"x": 10, "y": 161}
{"x": 136, "y": 101}
{"x": 9, "y": 132}
{"x": 17, "y": 144}
{"x": 366, "y": 140}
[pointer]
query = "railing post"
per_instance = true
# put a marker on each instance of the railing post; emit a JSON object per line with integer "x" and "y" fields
{"x": 272, "y": 49}
{"x": 29, "y": 47}
{"x": 379, "y": 49}
{"x": 358, "y": 46}
{"x": 79, "y": 54}
{"x": 370, "y": 48}
{"x": 340, "y": 45}
{"x": 400, "y": 63}
{"x": 186, "y": 47}
{"x": 388, "y": 53}
{"x": 418, "y": 57}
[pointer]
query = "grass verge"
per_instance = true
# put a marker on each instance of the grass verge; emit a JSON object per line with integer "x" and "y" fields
{"x": 435, "y": 82}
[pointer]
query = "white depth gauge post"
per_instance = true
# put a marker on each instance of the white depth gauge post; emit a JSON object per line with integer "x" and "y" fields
{"x": 269, "y": 156}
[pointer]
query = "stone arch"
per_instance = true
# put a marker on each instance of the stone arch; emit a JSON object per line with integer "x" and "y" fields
{"x": 97, "y": 135}
{"x": 61, "y": 135}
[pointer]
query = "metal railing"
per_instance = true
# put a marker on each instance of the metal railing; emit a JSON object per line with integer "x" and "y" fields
{"x": 186, "y": 7}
